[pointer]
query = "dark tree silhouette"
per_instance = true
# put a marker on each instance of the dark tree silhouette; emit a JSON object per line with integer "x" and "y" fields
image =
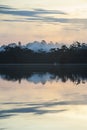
{"x": 76, "y": 53}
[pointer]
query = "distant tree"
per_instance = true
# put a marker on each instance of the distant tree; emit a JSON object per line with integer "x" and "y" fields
{"x": 19, "y": 43}
{"x": 78, "y": 44}
{"x": 64, "y": 48}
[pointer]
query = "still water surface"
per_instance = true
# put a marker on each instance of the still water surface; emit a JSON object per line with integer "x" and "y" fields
{"x": 43, "y": 100}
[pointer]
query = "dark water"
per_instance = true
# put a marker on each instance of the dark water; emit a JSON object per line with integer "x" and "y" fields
{"x": 43, "y": 97}
{"x": 44, "y": 73}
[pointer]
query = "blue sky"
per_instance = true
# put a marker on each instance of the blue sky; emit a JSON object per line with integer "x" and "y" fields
{"x": 57, "y": 21}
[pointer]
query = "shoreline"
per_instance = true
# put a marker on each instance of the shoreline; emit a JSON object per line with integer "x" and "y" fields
{"x": 37, "y": 64}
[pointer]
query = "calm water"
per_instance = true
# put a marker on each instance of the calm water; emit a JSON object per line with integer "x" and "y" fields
{"x": 43, "y": 97}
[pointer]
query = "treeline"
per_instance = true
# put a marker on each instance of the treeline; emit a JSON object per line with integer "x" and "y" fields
{"x": 75, "y": 53}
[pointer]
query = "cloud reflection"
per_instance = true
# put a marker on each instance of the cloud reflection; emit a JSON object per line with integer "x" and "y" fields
{"x": 33, "y": 108}
{"x": 37, "y": 108}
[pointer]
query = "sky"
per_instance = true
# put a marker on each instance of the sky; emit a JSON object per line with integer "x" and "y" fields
{"x": 63, "y": 21}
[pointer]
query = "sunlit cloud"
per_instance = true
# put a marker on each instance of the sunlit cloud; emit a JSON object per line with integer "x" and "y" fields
{"x": 38, "y": 15}
{"x": 49, "y": 20}
{"x": 34, "y": 12}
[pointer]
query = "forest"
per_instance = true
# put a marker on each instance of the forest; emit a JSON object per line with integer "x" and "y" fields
{"x": 76, "y": 53}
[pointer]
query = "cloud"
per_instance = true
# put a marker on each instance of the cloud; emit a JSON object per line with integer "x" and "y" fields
{"x": 64, "y": 20}
{"x": 71, "y": 29}
{"x": 50, "y": 20}
{"x": 5, "y": 7}
{"x": 29, "y": 13}
{"x": 39, "y": 15}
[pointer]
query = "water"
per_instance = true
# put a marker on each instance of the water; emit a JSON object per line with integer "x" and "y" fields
{"x": 43, "y": 97}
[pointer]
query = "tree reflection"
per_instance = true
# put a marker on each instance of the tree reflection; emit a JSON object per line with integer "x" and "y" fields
{"x": 41, "y": 74}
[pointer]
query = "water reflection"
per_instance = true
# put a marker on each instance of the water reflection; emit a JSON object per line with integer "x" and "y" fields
{"x": 43, "y": 73}
{"x": 37, "y": 108}
{"x": 46, "y": 98}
